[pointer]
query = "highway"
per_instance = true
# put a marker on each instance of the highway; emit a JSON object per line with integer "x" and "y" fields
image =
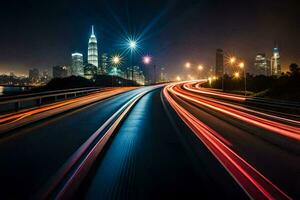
{"x": 156, "y": 142}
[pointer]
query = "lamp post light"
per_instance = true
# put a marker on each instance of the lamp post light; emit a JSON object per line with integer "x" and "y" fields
{"x": 242, "y": 66}
{"x": 147, "y": 60}
{"x": 132, "y": 44}
{"x": 188, "y": 65}
{"x": 236, "y": 74}
{"x": 232, "y": 60}
{"x": 200, "y": 69}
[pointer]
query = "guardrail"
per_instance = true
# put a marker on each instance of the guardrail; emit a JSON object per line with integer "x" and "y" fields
{"x": 15, "y": 103}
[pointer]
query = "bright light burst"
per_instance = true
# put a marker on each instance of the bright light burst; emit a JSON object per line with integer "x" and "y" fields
{"x": 242, "y": 65}
{"x": 236, "y": 74}
{"x": 187, "y": 64}
{"x": 116, "y": 60}
{"x": 146, "y": 59}
{"x": 132, "y": 44}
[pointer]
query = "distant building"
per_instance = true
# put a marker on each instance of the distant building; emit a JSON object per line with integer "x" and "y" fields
{"x": 93, "y": 49}
{"x": 261, "y": 64}
{"x": 60, "y": 71}
{"x": 219, "y": 63}
{"x": 162, "y": 75}
{"x": 275, "y": 63}
{"x": 77, "y": 64}
{"x": 104, "y": 64}
{"x": 34, "y": 75}
{"x": 45, "y": 76}
{"x": 90, "y": 71}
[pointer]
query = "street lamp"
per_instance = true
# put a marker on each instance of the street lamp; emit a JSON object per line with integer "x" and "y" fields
{"x": 187, "y": 64}
{"x": 132, "y": 44}
{"x": 147, "y": 60}
{"x": 242, "y": 66}
{"x": 232, "y": 60}
{"x": 200, "y": 68}
{"x": 236, "y": 74}
{"x": 116, "y": 60}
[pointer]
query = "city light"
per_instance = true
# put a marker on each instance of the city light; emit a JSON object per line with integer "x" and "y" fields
{"x": 200, "y": 67}
{"x": 242, "y": 65}
{"x": 132, "y": 44}
{"x": 232, "y": 60}
{"x": 178, "y": 78}
{"x": 236, "y": 74}
{"x": 187, "y": 64}
{"x": 116, "y": 60}
{"x": 146, "y": 60}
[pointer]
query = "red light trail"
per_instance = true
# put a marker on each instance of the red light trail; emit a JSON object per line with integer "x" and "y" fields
{"x": 256, "y": 185}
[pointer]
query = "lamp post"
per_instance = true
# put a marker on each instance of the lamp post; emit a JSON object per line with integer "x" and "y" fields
{"x": 132, "y": 44}
{"x": 242, "y": 66}
{"x": 147, "y": 60}
{"x": 232, "y": 60}
{"x": 115, "y": 61}
{"x": 200, "y": 69}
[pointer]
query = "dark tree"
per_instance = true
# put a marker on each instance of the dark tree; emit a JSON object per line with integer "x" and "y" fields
{"x": 294, "y": 68}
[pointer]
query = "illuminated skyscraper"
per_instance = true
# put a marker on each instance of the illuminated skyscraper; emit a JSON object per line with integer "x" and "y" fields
{"x": 275, "y": 63}
{"x": 261, "y": 64}
{"x": 219, "y": 63}
{"x": 93, "y": 50}
{"x": 104, "y": 64}
{"x": 77, "y": 64}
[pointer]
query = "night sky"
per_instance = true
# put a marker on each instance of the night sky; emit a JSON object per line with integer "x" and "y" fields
{"x": 42, "y": 34}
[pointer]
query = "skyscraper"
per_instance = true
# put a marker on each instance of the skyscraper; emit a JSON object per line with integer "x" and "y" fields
{"x": 104, "y": 64}
{"x": 219, "y": 63}
{"x": 275, "y": 63}
{"x": 77, "y": 64}
{"x": 93, "y": 50}
{"x": 34, "y": 75}
{"x": 261, "y": 65}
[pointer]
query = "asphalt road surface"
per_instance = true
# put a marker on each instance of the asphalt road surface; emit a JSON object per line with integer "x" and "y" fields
{"x": 173, "y": 143}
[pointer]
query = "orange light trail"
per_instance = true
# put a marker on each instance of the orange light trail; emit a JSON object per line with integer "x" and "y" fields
{"x": 16, "y": 117}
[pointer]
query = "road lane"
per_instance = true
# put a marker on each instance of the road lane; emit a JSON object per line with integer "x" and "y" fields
{"x": 278, "y": 160}
{"x": 34, "y": 153}
{"x": 152, "y": 157}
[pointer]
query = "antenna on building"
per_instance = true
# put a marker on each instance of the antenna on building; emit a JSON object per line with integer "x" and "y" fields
{"x": 93, "y": 30}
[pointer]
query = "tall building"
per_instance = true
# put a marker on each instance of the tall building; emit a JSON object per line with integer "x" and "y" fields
{"x": 34, "y": 75}
{"x": 261, "y": 64}
{"x": 45, "y": 76}
{"x": 275, "y": 63}
{"x": 93, "y": 50}
{"x": 60, "y": 71}
{"x": 77, "y": 64}
{"x": 162, "y": 75}
{"x": 219, "y": 63}
{"x": 104, "y": 64}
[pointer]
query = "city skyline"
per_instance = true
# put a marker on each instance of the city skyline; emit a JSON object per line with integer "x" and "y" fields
{"x": 200, "y": 39}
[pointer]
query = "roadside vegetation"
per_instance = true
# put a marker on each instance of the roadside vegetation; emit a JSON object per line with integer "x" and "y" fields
{"x": 286, "y": 87}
